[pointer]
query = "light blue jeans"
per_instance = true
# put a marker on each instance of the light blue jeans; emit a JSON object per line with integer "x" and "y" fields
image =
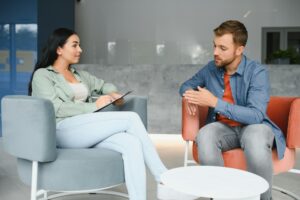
{"x": 256, "y": 141}
{"x": 123, "y": 132}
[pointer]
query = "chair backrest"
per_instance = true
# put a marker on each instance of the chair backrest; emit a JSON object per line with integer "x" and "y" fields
{"x": 285, "y": 113}
{"x": 29, "y": 128}
{"x": 279, "y": 110}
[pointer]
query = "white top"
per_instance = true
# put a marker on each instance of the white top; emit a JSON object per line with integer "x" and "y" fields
{"x": 215, "y": 182}
{"x": 80, "y": 91}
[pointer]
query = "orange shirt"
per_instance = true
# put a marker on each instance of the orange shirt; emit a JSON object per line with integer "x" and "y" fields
{"x": 228, "y": 98}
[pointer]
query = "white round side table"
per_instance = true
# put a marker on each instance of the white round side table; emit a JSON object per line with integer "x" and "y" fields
{"x": 219, "y": 183}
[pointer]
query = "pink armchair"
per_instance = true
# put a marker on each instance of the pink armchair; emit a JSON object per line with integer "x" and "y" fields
{"x": 283, "y": 111}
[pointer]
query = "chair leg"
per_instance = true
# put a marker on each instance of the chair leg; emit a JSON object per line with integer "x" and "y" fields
{"x": 286, "y": 192}
{"x": 91, "y": 192}
{"x": 43, "y": 194}
{"x": 34, "y": 177}
{"x": 186, "y": 153}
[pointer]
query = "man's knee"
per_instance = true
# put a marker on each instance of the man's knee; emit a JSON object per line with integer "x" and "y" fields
{"x": 257, "y": 133}
{"x": 257, "y": 136}
{"x": 207, "y": 135}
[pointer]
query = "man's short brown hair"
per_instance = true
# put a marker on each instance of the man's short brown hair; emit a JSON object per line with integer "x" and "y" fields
{"x": 234, "y": 27}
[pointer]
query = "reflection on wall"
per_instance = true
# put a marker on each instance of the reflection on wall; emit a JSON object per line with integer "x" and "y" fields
{"x": 4, "y": 60}
{"x": 143, "y": 52}
{"x": 25, "y": 61}
{"x": 25, "y": 64}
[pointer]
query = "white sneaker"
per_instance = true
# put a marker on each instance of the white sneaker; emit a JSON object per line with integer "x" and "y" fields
{"x": 166, "y": 193}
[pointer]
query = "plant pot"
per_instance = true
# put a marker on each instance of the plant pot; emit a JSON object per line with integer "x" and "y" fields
{"x": 281, "y": 61}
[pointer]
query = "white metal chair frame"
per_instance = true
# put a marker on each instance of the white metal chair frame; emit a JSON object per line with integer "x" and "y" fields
{"x": 43, "y": 194}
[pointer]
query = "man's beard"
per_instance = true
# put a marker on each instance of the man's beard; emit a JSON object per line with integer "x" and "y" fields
{"x": 223, "y": 63}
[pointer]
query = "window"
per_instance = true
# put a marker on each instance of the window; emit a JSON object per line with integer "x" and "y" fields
{"x": 4, "y": 59}
{"x": 18, "y": 52}
{"x": 281, "y": 45}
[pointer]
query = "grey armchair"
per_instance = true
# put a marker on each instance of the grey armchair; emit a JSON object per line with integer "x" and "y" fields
{"x": 28, "y": 127}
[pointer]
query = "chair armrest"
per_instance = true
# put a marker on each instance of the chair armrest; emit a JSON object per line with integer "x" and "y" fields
{"x": 29, "y": 128}
{"x": 136, "y": 104}
{"x": 293, "y": 130}
{"x": 190, "y": 124}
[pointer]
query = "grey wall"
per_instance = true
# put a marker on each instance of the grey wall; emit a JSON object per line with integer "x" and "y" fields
{"x": 134, "y": 28}
{"x": 152, "y": 46}
{"x": 161, "y": 83}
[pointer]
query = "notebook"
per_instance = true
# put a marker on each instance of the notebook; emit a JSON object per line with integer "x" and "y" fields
{"x": 114, "y": 101}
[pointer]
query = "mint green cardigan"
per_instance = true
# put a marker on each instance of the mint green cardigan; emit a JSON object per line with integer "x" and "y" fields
{"x": 49, "y": 84}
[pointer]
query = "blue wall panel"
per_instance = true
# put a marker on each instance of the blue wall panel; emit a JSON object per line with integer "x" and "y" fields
{"x": 18, "y": 11}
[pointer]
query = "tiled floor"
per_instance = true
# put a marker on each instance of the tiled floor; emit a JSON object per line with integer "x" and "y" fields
{"x": 170, "y": 148}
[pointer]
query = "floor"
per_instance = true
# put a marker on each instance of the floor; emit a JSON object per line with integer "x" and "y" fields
{"x": 171, "y": 150}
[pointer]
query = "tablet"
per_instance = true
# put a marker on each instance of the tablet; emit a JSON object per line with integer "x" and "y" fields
{"x": 114, "y": 101}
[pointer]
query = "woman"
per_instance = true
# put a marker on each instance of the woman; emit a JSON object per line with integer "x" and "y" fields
{"x": 78, "y": 126}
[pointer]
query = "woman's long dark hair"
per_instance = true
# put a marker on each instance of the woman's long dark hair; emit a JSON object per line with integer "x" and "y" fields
{"x": 57, "y": 39}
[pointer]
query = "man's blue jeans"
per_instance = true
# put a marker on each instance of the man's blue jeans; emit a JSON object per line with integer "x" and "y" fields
{"x": 256, "y": 140}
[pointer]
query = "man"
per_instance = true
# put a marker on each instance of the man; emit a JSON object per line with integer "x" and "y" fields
{"x": 236, "y": 89}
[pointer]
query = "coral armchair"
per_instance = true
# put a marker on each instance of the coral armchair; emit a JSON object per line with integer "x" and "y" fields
{"x": 283, "y": 111}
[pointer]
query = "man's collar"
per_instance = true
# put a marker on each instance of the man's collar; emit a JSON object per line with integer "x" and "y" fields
{"x": 242, "y": 65}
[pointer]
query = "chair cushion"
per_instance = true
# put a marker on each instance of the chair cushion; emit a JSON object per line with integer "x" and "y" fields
{"x": 77, "y": 169}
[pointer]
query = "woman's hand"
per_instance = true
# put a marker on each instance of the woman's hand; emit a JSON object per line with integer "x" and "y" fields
{"x": 115, "y": 96}
{"x": 103, "y": 101}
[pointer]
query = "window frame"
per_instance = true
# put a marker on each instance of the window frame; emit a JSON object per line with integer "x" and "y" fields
{"x": 283, "y": 44}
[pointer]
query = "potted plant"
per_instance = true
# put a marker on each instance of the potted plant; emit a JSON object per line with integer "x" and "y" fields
{"x": 289, "y": 56}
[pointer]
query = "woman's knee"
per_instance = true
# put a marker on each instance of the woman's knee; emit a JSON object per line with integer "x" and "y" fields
{"x": 132, "y": 115}
{"x": 123, "y": 142}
